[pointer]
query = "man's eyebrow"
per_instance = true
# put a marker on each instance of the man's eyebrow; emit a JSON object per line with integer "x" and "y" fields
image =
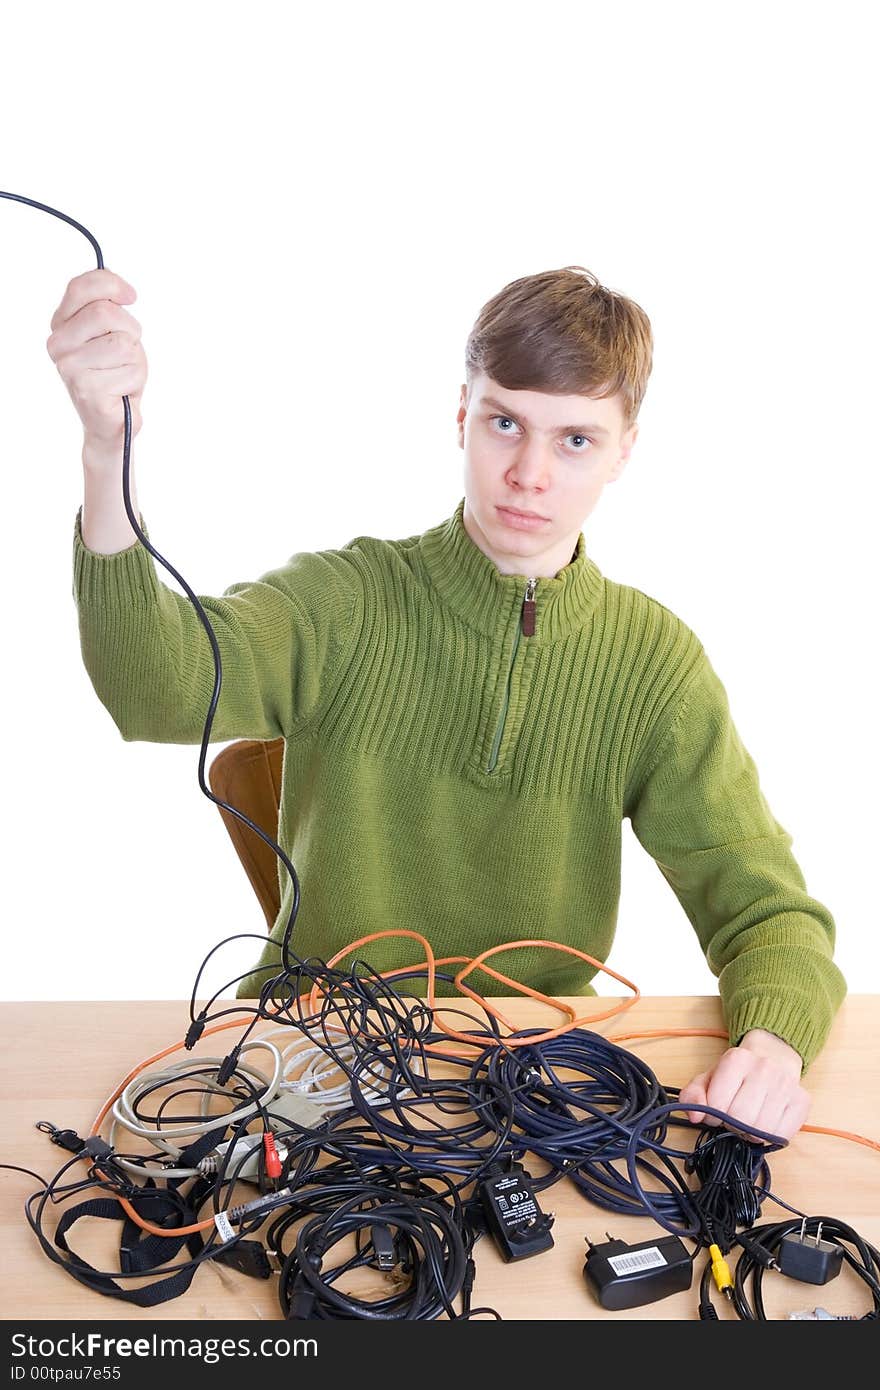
{"x": 562, "y": 429}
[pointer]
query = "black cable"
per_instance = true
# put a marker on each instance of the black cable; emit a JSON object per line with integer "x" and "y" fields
{"x": 583, "y": 1125}
{"x": 429, "y": 1239}
{"x": 15, "y": 1168}
{"x": 707, "y": 1309}
{"x": 728, "y": 1168}
{"x": 237, "y": 936}
{"x": 640, "y": 1139}
{"x": 78, "y": 1269}
{"x": 215, "y": 695}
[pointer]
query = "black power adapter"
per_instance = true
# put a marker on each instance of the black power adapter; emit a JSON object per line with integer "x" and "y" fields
{"x": 626, "y": 1276}
{"x": 515, "y": 1221}
{"x": 809, "y": 1258}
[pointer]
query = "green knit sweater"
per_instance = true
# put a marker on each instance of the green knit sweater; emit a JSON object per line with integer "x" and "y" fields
{"x": 449, "y": 771}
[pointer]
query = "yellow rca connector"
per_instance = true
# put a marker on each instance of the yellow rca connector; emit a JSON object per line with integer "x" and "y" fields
{"x": 721, "y": 1272}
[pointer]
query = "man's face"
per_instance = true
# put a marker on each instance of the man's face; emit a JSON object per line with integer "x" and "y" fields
{"x": 550, "y": 455}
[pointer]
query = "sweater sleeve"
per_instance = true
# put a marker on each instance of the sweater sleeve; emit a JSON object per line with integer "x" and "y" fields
{"x": 149, "y": 657}
{"x": 700, "y": 813}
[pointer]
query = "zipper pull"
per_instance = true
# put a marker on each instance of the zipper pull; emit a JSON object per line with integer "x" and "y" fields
{"x": 528, "y": 609}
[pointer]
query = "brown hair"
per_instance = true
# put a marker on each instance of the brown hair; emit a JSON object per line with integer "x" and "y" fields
{"x": 564, "y": 333}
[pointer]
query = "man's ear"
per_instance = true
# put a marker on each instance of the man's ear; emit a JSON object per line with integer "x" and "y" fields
{"x": 462, "y": 410}
{"x": 627, "y": 441}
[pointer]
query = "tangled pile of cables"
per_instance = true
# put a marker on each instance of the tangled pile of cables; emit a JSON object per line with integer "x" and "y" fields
{"x": 350, "y": 1151}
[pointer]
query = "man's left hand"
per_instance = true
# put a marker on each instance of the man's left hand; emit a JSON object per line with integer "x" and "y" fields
{"x": 757, "y": 1083}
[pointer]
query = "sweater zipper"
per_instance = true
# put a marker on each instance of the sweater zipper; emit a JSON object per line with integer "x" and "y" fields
{"x": 526, "y": 626}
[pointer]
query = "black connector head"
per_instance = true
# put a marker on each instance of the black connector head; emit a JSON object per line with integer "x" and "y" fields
{"x": 627, "y": 1276}
{"x": 227, "y": 1067}
{"x": 193, "y": 1033}
{"x": 248, "y": 1257}
{"x": 302, "y": 1305}
{"x": 384, "y": 1247}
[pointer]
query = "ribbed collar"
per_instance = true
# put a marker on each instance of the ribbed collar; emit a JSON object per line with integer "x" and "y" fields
{"x": 471, "y": 585}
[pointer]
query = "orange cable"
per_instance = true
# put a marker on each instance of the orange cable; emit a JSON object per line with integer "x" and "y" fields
{"x": 477, "y": 963}
{"x": 843, "y": 1134}
{"x": 669, "y": 1033}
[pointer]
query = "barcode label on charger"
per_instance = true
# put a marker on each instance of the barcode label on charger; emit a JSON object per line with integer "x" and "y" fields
{"x": 651, "y": 1258}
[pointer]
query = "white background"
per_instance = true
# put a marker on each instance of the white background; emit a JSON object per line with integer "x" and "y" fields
{"x": 313, "y": 204}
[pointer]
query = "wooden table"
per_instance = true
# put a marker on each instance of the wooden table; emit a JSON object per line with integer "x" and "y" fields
{"x": 63, "y": 1059}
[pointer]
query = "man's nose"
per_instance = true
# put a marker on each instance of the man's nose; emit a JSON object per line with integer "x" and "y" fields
{"x": 531, "y": 465}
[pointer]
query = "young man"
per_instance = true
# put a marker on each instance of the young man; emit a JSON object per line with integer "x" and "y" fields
{"x": 470, "y": 713}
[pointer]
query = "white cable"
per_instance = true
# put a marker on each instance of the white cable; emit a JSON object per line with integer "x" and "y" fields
{"x": 309, "y": 1056}
{"x": 123, "y": 1111}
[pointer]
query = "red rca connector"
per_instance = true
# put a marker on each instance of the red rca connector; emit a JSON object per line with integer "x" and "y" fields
{"x": 273, "y": 1162}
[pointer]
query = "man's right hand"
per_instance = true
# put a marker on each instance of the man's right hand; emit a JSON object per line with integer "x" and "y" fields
{"x": 96, "y": 346}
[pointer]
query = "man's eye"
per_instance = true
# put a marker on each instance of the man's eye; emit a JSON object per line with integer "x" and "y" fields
{"x": 584, "y": 439}
{"x": 507, "y": 419}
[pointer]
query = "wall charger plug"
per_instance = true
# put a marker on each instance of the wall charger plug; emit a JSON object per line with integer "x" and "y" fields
{"x": 627, "y": 1276}
{"x": 515, "y": 1221}
{"x": 809, "y": 1258}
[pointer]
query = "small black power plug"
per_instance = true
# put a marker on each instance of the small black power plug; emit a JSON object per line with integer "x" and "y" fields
{"x": 809, "y": 1258}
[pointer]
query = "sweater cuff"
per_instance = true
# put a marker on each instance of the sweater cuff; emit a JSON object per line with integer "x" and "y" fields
{"x": 791, "y": 1019}
{"x": 124, "y": 578}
